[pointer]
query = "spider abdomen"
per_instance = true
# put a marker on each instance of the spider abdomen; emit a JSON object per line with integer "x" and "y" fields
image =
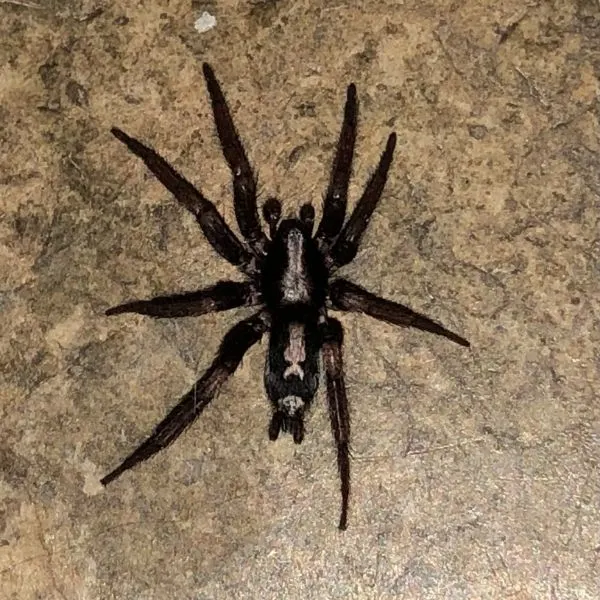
{"x": 292, "y": 372}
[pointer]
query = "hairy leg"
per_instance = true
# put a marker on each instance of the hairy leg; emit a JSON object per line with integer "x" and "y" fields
{"x": 235, "y": 344}
{"x": 348, "y": 296}
{"x": 220, "y": 236}
{"x": 338, "y": 406}
{"x": 244, "y": 182}
{"x": 346, "y": 246}
{"x": 336, "y": 198}
{"x": 221, "y": 296}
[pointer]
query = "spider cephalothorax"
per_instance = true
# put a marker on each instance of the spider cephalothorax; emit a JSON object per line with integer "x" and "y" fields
{"x": 288, "y": 277}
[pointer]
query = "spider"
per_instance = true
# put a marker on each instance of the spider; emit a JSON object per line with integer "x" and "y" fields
{"x": 288, "y": 275}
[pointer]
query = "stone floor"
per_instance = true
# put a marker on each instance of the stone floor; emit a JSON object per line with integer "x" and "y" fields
{"x": 475, "y": 473}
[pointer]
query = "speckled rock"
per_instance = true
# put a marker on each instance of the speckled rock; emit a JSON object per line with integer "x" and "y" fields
{"x": 475, "y": 473}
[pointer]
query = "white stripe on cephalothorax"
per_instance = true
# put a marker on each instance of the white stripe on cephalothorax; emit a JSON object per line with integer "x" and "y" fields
{"x": 295, "y": 287}
{"x": 295, "y": 351}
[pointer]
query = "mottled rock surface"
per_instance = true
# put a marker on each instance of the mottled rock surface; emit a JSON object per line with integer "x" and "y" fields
{"x": 475, "y": 473}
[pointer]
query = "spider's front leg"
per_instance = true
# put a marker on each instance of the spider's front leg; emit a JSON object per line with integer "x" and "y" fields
{"x": 235, "y": 344}
{"x": 244, "y": 181}
{"x": 336, "y": 197}
{"x": 337, "y": 400}
{"x": 221, "y": 296}
{"x": 346, "y": 245}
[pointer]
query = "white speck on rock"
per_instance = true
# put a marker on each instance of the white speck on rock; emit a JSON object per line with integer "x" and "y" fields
{"x": 205, "y": 22}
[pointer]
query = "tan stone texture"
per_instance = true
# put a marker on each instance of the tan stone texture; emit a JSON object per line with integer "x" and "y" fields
{"x": 475, "y": 473}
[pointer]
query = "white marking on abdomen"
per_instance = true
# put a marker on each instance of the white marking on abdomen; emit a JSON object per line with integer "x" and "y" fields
{"x": 291, "y": 404}
{"x": 295, "y": 287}
{"x": 295, "y": 351}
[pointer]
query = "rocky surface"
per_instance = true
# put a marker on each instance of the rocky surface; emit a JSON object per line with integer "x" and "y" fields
{"x": 475, "y": 473}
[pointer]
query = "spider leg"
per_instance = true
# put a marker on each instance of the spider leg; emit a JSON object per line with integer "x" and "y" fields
{"x": 221, "y": 296}
{"x": 348, "y": 296}
{"x": 336, "y": 197}
{"x": 235, "y": 344}
{"x": 220, "y": 236}
{"x": 346, "y": 246}
{"x": 244, "y": 182}
{"x": 338, "y": 406}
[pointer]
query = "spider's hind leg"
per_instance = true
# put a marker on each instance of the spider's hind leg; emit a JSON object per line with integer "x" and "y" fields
{"x": 235, "y": 344}
{"x": 333, "y": 337}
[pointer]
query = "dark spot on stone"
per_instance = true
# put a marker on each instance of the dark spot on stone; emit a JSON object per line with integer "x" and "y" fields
{"x": 47, "y": 492}
{"x": 477, "y": 131}
{"x": 264, "y": 12}
{"x": 429, "y": 92}
{"x": 366, "y": 57}
{"x": 306, "y": 109}
{"x": 76, "y": 93}
{"x": 48, "y": 73}
{"x": 13, "y": 468}
{"x": 96, "y": 12}
{"x": 295, "y": 154}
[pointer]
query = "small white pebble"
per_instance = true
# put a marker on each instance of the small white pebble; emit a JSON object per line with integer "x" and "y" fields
{"x": 205, "y": 22}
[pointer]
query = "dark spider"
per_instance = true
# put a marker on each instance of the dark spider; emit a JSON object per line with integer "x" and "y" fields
{"x": 288, "y": 277}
